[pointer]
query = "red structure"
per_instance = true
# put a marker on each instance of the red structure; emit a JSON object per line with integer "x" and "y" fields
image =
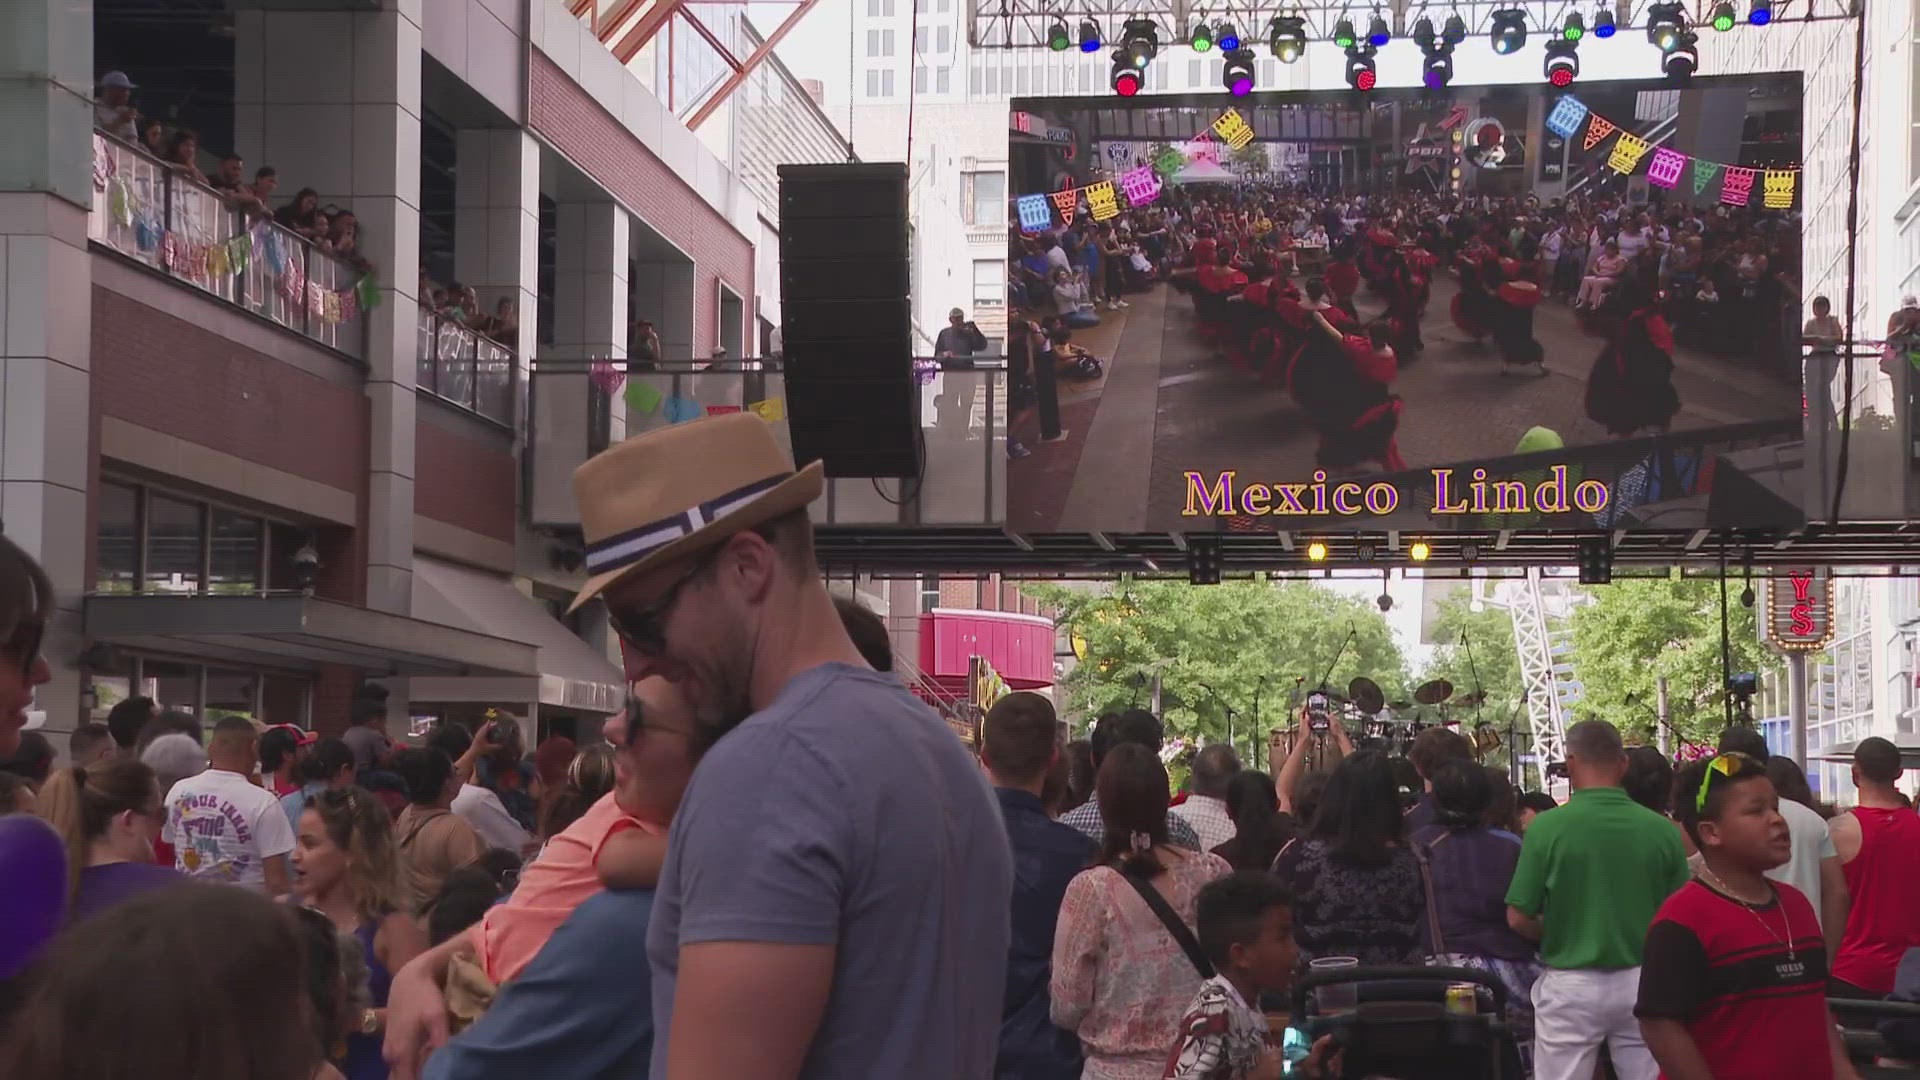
{"x": 1020, "y": 647}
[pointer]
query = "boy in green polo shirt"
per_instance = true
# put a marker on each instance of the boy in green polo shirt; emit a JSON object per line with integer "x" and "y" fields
{"x": 1592, "y": 874}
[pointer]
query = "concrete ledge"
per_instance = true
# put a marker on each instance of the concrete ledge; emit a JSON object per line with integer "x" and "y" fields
{"x": 462, "y": 545}
{"x": 170, "y": 455}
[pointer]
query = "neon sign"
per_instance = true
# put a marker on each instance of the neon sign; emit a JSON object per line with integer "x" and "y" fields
{"x": 1800, "y": 610}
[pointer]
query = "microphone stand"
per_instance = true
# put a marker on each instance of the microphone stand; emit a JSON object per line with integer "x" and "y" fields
{"x": 1467, "y": 644}
{"x": 1680, "y": 742}
{"x": 1348, "y": 640}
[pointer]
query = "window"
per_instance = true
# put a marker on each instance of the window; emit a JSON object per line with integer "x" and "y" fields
{"x": 886, "y": 8}
{"x": 941, "y": 6}
{"x": 232, "y": 692}
{"x": 886, "y": 43}
{"x": 1022, "y": 74}
{"x": 929, "y": 592}
{"x": 919, "y": 79}
{"x": 176, "y": 545}
{"x": 233, "y": 563}
{"x": 873, "y": 9}
{"x": 886, "y": 83}
{"x": 973, "y": 80}
{"x": 985, "y": 197}
{"x": 941, "y": 84}
{"x": 920, "y": 7}
{"x": 873, "y": 43}
{"x": 116, "y": 542}
{"x": 873, "y": 84}
{"x": 150, "y": 541}
{"x": 171, "y": 685}
{"x": 943, "y": 39}
{"x": 989, "y": 282}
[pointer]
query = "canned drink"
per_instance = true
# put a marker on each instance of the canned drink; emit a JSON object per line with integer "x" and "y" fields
{"x": 1463, "y": 999}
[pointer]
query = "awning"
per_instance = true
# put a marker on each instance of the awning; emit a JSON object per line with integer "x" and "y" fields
{"x": 302, "y": 632}
{"x": 1908, "y": 745}
{"x": 570, "y": 674}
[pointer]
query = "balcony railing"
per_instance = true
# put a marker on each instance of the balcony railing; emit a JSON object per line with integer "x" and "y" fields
{"x": 146, "y": 211}
{"x": 467, "y": 369}
{"x": 574, "y": 412}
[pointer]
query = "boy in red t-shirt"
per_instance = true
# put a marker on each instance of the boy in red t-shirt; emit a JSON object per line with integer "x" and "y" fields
{"x": 1734, "y": 981}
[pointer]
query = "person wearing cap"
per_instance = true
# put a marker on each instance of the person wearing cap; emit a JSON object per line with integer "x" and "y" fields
{"x": 281, "y": 748}
{"x": 837, "y": 871}
{"x": 113, "y": 111}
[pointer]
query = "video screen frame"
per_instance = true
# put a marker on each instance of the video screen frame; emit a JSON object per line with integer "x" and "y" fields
{"x": 1718, "y": 462}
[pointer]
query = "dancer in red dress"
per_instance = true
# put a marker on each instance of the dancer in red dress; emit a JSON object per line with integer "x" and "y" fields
{"x": 1471, "y": 309}
{"x": 1355, "y": 414}
{"x": 1510, "y": 307}
{"x": 1631, "y": 385}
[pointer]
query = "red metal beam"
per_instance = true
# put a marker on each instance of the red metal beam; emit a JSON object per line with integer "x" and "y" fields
{"x": 707, "y": 33}
{"x": 733, "y": 82}
{"x": 650, "y": 23}
{"x": 607, "y": 23}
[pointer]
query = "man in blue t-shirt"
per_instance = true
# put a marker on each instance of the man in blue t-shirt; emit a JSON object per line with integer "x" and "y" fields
{"x": 1019, "y": 744}
{"x": 834, "y": 900}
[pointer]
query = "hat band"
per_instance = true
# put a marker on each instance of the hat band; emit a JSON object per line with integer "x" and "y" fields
{"x": 627, "y": 548}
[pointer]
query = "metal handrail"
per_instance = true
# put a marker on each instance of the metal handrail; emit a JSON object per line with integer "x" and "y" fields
{"x": 467, "y": 369}
{"x": 144, "y": 210}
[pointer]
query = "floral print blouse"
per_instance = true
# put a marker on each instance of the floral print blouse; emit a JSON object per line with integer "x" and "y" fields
{"x": 1119, "y": 979}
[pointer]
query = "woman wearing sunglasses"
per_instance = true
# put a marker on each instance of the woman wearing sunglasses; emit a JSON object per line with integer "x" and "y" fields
{"x": 26, "y": 606}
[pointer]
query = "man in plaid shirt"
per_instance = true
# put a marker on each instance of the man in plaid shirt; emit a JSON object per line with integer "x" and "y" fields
{"x": 1132, "y": 726}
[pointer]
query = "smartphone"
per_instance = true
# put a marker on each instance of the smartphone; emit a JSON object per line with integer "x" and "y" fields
{"x": 1295, "y": 1045}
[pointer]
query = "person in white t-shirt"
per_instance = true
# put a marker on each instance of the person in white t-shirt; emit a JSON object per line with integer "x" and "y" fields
{"x": 224, "y": 827}
{"x": 479, "y": 806}
{"x": 1814, "y": 865}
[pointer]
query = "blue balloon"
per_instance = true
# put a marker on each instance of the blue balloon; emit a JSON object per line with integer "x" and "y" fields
{"x": 33, "y": 863}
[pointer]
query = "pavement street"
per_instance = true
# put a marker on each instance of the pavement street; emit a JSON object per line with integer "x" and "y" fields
{"x": 1166, "y": 405}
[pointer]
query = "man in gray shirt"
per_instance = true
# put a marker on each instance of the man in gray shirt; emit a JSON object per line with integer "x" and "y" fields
{"x": 834, "y": 901}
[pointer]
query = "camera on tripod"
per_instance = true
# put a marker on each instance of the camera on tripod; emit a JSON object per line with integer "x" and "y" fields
{"x": 1743, "y": 686}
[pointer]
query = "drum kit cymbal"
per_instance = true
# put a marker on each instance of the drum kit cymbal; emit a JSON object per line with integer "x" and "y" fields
{"x": 1397, "y": 722}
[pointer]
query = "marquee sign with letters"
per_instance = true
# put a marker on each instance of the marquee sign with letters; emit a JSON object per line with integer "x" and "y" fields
{"x": 1800, "y": 609}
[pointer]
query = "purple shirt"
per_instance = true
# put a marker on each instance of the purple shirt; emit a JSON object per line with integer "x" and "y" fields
{"x": 1471, "y": 871}
{"x": 102, "y": 887}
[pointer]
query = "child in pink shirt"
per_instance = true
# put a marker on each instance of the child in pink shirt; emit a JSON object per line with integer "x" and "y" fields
{"x": 577, "y": 862}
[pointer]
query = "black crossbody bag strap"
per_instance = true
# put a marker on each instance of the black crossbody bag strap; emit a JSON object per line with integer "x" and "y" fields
{"x": 1171, "y": 920}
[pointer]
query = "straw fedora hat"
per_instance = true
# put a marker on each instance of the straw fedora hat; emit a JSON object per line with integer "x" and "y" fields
{"x": 677, "y": 489}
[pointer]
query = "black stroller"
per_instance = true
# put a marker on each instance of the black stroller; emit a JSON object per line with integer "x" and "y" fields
{"x": 1404, "y": 1027}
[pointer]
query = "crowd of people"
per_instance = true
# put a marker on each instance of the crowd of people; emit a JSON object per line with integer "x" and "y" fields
{"x": 457, "y": 303}
{"x": 778, "y": 862}
{"x": 331, "y": 229}
{"x": 1274, "y": 270}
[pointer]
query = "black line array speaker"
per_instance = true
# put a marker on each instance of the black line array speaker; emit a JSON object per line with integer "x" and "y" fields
{"x": 846, "y": 319}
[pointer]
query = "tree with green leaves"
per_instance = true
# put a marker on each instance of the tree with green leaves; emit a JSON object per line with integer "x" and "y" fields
{"x": 1473, "y": 648}
{"x": 1252, "y": 158}
{"x": 1241, "y": 645}
{"x": 1637, "y": 630}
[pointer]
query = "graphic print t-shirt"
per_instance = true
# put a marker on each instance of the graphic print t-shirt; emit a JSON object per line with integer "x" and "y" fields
{"x": 1749, "y": 983}
{"x": 223, "y": 827}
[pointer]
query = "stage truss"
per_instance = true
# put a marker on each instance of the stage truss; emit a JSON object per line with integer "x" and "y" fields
{"x": 1024, "y": 24}
{"x": 1863, "y": 549}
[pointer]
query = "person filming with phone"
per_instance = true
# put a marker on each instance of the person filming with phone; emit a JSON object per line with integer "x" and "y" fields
{"x": 960, "y": 339}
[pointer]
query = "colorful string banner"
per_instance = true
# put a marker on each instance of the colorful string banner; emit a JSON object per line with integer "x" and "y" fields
{"x": 1138, "y": 186}
{"x": 1598, "y": 128}
{"x": 1777, "y": 190}
{"x": 1567, "y": 116}
{"x": 1664, "y": 166}
{"x": 1628, "y": 149}
{"x": 1703, "y": 174}
{"x": 1737, "y": 185}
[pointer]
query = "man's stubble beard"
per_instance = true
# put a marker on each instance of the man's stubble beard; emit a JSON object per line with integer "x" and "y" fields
{"x": 730, "y": 683}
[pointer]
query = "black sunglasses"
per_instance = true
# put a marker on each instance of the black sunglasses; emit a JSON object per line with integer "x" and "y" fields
{"x": 26, "y": 642}
{"x": 645, "y": 629}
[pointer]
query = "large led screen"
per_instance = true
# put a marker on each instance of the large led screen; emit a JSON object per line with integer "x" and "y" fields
{"x": 1492, "y": 306}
